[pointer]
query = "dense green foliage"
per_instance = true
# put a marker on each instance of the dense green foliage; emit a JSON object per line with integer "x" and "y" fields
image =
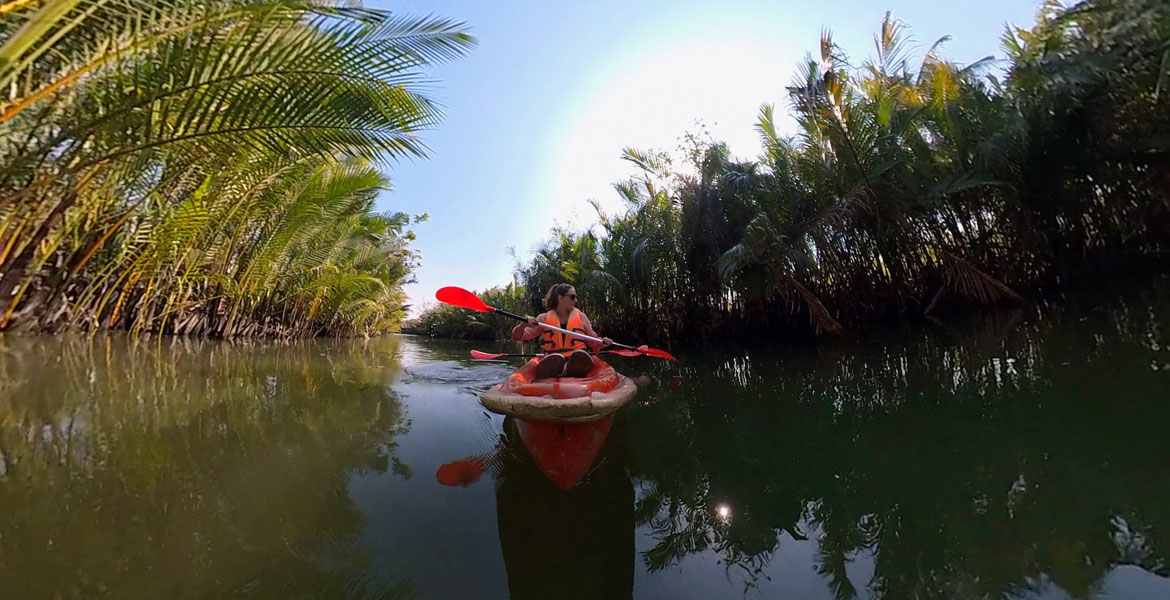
{"x": 914, "y": 185}
{"x": 207, "y": 166}
{"x": 443, "y": 320}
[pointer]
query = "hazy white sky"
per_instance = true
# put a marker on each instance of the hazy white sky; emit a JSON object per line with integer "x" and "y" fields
{"x": 537, "y": 115}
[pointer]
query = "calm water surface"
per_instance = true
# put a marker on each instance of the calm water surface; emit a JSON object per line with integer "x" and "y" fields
{"x": 1014, "y": 456}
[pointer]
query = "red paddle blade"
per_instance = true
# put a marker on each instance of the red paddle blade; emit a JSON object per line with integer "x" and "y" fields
{"x": 656, "y": 353}
{"x": 461, "y": 472}
{"x": 462, "y": 298}
{"x": 630, "y": 353}
{"x": 476, "y": 354}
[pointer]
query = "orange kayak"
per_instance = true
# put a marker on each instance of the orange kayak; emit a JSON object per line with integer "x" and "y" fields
{"x": 561, "y": 399}
{"x": 563, "y": 421}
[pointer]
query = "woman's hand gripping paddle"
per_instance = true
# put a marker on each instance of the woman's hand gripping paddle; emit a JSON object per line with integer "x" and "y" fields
{"x": 476, "y": 354}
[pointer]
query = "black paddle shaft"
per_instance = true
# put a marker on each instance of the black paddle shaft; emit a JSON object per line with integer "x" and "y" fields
{"x": 525, "y": 319}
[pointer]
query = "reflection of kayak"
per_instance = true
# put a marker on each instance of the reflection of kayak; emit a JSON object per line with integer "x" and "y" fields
{"x": 563, "y": 544}
{"x": 561, "y": 399}
{"x": 564, "y": 452}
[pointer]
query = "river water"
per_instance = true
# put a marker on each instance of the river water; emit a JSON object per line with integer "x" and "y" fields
{"x": 1012, "y": 455}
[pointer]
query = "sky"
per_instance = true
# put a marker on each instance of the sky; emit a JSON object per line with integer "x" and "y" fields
{"x": 537, "y": 115}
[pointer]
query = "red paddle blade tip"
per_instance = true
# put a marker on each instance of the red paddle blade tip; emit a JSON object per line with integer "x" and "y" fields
{"x": 462, "y": 298}
{"x": 461, "y": 472}
{"x": 655, "y": 352}
{"x": 476, "y": 354}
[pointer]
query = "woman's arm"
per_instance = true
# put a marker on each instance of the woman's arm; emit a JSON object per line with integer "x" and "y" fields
{"x": 590, "y": 332}
{"x": 527, "y": 331}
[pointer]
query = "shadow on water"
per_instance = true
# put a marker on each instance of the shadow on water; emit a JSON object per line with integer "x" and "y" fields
{"x": 1000, "y": 458}
{"x": 186, "y": 469}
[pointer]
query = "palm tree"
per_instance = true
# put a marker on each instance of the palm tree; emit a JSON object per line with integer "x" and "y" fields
{"x": 913, "y": 186}
{"x": 117, "y": 113}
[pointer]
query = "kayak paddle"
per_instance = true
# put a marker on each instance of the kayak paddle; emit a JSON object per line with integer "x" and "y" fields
{"x": 476, "y": 354}
{"x": 464, "y": 299}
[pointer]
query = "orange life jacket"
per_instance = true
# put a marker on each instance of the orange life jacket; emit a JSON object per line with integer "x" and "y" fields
{"x": 555, "y": 340}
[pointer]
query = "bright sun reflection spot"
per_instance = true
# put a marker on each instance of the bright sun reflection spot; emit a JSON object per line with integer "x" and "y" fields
{"x": 724, "y": 511}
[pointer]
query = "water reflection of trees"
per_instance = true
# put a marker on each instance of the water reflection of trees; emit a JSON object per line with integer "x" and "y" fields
{"x": 1033, "y": 451}
{"x": 186, "y": 469}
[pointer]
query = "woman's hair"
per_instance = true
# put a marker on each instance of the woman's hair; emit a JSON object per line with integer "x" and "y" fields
{"x": 554, "y": 294}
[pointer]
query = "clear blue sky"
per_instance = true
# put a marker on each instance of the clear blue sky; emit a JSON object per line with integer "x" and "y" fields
{"x": 537, "y": 115}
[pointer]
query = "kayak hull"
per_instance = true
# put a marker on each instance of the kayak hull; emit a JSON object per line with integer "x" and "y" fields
{"x": 561, "y": 399}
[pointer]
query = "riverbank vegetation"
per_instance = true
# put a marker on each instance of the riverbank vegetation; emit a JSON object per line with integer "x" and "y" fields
{"x": 209, "y": 167}
{"x": 913, "y": 186}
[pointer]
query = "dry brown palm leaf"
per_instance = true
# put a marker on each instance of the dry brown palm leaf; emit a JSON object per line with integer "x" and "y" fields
{"x": 819, "y": 315}
{"x": 972, "y": 281}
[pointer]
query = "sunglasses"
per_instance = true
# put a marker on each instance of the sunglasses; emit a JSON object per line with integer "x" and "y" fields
{"x": 573, "y": 296}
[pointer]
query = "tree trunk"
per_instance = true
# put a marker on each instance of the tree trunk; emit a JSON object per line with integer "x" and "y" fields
{"x": 14, "y": 273}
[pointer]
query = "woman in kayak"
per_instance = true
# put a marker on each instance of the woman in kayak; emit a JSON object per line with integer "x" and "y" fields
{"x": 567, "y": 355}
